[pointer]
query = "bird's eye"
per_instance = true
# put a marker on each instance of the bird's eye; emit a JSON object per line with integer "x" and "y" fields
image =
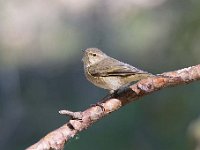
{"x": 94, "y": 54}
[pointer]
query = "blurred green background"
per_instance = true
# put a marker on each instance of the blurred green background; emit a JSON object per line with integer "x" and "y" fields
{"x": 41, "y": 70}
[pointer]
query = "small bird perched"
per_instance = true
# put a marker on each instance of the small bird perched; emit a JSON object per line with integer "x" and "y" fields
{"x": 107, "y": 72}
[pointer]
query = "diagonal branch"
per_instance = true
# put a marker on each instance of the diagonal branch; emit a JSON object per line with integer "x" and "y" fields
{"x": 57, "y": 138}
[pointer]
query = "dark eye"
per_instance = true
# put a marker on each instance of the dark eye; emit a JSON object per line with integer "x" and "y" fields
{"x": 94, "y": 55}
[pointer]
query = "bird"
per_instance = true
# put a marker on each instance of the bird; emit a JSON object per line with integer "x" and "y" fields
{"x": 107, "y": 72}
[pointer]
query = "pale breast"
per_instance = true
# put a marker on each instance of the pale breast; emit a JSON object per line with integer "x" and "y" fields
{"x": 98, "y": 81}
{"x": 112, "y": 83}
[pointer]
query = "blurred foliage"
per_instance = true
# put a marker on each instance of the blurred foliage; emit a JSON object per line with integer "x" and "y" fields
{"x": 41, "y": 70}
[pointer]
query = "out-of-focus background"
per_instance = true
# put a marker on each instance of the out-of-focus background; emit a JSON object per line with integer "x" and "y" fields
{"x": 41, "y": 70}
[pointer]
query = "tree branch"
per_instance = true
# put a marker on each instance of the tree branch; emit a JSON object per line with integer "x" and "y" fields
{"x": 82, "y": 120}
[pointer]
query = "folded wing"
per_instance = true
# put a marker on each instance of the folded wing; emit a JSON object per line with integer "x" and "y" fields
{"x": 107, "y": 68}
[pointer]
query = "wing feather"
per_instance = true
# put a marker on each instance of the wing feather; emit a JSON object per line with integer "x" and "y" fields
{"x": 113, "y": 67}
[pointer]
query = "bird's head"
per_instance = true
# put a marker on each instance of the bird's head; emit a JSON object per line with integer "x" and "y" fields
{"x": 92, "y": 56}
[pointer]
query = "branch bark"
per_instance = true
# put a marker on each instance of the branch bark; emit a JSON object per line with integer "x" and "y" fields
{"x": 82, "y": 120}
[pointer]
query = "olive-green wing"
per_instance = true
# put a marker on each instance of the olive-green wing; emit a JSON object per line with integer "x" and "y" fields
{"x": 112, "y": 67}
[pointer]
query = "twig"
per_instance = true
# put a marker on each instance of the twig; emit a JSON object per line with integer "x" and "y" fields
{"x": 82, "y": 120}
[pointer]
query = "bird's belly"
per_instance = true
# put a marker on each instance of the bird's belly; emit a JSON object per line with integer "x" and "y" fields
{"x": 98, "y": 81}
{"x": 112, "y": 83}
